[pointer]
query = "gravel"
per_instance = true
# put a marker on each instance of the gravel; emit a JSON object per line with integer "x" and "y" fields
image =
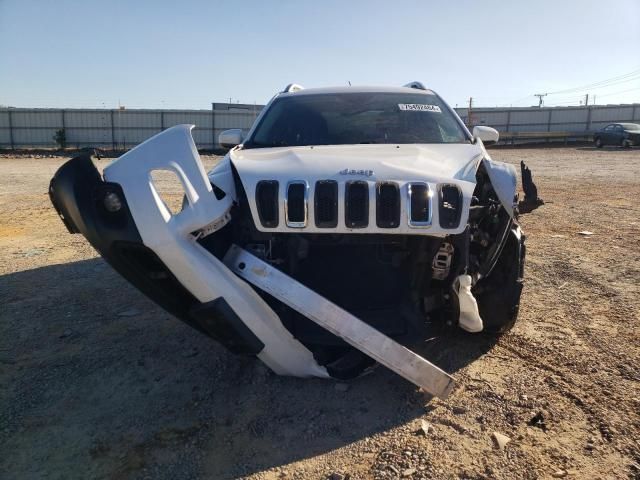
{"x": 98, "y": 382}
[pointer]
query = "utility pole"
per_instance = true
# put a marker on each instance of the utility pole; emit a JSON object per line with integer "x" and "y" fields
{"x": 586, "y": 100}
{"x": 540, "y": 95}
{"x": 469, "y": 112}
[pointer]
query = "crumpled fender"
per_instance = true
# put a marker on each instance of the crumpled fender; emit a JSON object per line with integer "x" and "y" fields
{"x": 504, "y": 180}
{"x": 222, "y": 177}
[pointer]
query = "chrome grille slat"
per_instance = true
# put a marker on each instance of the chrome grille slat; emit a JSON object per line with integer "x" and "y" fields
{"x": 419, "y": 204}
{"x": 295, "y": 204}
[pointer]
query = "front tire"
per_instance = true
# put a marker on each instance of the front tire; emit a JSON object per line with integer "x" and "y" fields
{"x": 499, "y": 294}
{"x": 598, "y": 142}
{"x": 625, "y": 143}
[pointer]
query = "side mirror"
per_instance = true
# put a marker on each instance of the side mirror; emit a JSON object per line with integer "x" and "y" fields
{"x": 230, "y": 138}
{"x": 488, "y": 135}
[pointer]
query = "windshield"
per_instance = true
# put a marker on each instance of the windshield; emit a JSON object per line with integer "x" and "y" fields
{"x": 630, "y": 126}
{"x": 353, "y": 118}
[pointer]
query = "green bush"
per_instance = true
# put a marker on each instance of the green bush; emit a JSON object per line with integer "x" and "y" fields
{"x": 61, "y": 138}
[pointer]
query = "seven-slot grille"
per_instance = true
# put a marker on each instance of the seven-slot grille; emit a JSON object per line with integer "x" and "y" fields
{"x": 419, "y": 204}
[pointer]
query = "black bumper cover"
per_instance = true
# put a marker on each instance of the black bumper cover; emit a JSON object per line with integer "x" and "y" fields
{"x": 77, "y": 191}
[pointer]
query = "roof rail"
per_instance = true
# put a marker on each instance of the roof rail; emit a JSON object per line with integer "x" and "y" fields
{"x": 292, "y": 87}
{"x": 416, "y": 85}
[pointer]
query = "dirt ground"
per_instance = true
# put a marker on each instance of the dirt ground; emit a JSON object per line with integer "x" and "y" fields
{"x": 98, "y": 382}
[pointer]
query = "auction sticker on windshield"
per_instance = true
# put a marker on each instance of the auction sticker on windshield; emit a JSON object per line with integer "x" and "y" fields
{"x": 418, "y": 107}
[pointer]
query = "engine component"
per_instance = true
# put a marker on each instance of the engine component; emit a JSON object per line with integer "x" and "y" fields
{"x": 442, "y": 261}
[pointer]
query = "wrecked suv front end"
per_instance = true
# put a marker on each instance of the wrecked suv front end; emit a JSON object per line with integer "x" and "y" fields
{"x": 318, "y": 257}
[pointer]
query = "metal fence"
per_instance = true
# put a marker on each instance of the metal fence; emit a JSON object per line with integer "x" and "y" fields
{"x": 115, "y": 129}
{"x": 122, "y": 129}
{"x": 551, "y": 119}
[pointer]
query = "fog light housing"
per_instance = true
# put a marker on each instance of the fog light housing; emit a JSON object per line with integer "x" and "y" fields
{"x": 112, "y": 202}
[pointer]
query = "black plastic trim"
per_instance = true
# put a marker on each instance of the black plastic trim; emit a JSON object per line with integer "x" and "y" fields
{"x": 387, "y": 205}
{"x": 419, "y": 206}
{"x": 268, "y": 219}
{"x": 77, "y": 192}
{"x": 296, "y": 203}
{"x": 448, "y": 192}
{"x": 328, "y": 188}
{"x": 352, "y": 218}
{"x": 221, "y": 322}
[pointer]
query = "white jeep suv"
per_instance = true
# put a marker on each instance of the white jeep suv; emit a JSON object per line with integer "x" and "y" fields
{"x": 349, "y": 224}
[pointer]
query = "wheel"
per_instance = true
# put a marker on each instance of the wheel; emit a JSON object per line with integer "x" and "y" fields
{"x": 598, "y": 142}
{"x": 499, "y": 297}
{"x": 625, "y": 143}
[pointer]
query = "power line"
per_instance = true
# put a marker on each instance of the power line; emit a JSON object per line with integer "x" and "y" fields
{"x": 602, "y": 83}
{"x": 621, "y": 91}
{"x": 566, "y": 99}
{"x": 569, "y": 102}
{"x": 619, "y": 79}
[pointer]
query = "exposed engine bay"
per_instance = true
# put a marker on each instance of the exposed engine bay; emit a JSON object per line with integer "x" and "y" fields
{"x": 402, "y": 285}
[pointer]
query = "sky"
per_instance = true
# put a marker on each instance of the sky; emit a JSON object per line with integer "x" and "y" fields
{"x": 187, "y": 54}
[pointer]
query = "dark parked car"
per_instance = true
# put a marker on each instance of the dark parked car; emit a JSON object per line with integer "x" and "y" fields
{"x": 623, "y": 134}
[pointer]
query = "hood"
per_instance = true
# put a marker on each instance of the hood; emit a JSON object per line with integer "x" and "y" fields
{"x": 402, "y": 165}
{"x": 435, "y": 163}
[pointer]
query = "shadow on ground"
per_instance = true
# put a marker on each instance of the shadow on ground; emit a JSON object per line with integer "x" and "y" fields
{"x": 100, "y": 382}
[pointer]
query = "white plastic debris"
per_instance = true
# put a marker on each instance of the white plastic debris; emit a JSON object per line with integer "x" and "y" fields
{"x": 500, "y": 440}
{"x": 425, "y": 427}
{"x": 469, "y": 318}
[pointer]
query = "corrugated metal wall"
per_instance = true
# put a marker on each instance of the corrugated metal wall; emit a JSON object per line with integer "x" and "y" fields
{"x": 551, "y": 119}
{"x": 121, "y": 129}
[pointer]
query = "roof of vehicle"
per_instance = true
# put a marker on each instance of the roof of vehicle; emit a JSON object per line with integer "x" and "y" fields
{"x": 355, "y": 89}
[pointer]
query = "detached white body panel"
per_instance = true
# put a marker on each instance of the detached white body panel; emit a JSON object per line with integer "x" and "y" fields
{"x": 170, "y": 238}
